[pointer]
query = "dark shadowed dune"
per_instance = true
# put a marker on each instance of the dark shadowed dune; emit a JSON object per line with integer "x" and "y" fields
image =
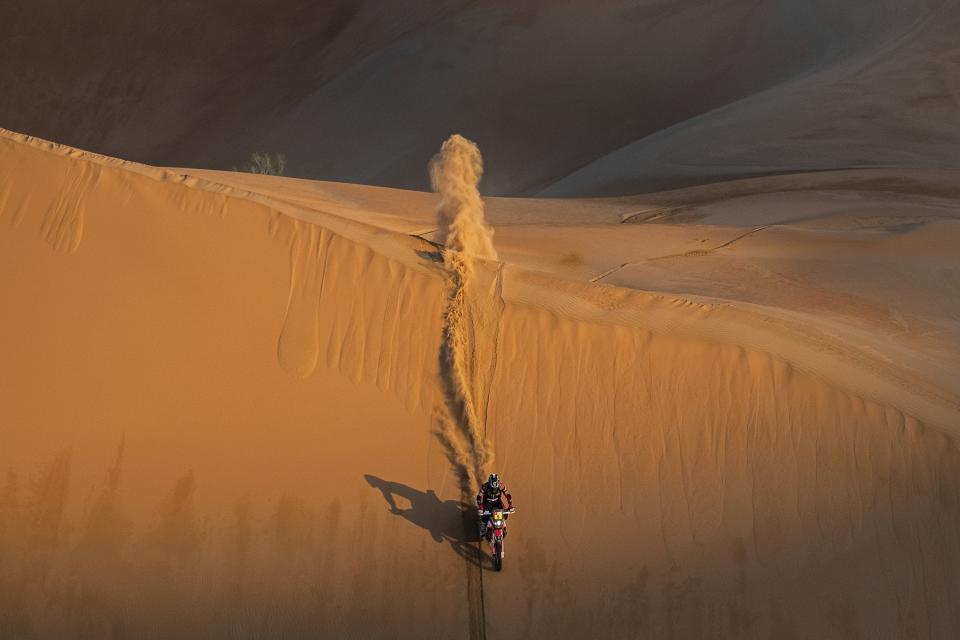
{"x": 365, "y": 91}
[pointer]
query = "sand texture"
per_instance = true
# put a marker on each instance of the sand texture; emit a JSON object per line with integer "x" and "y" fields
{"x": 723, "y": 411}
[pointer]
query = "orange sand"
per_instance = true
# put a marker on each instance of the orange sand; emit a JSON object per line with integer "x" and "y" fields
{"x": 220, "y": 393}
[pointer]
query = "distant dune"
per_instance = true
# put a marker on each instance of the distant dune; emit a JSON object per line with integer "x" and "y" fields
{"x": 565, "y": 98}
{"x": 221, "y": 391}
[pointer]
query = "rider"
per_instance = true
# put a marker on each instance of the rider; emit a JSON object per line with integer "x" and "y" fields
{"x": 493, "y": 495}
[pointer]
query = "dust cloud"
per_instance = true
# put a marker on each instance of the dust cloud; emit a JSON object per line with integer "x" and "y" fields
{"x": 455, "y": 173}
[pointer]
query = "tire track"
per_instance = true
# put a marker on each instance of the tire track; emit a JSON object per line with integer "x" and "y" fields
{"x": 688, "y": 254}
{"x": 475, "y": 602}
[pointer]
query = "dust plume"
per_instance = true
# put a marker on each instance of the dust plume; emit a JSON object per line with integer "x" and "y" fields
{"x": 456, "y": 451}
{"x": 455, "y": 173}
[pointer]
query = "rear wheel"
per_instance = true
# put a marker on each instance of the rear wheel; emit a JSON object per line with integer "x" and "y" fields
{"x": 498, "y": 555}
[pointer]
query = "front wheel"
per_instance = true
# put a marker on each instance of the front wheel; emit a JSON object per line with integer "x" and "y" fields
{"x": 498, "y": 555}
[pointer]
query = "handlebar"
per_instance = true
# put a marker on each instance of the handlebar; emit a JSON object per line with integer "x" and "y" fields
{"x": 490, "y": 513}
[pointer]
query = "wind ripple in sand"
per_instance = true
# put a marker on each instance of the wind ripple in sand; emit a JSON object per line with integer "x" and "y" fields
{"x": 62, "y": 226}
{"x": 352, "y": 309}
{"x": 298, "y": 348}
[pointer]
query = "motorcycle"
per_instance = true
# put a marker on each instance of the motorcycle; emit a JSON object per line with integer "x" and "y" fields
{"x": 495, "y": 533}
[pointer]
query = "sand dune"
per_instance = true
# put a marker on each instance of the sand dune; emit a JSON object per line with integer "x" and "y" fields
{"x": 891, "y": 101}
{"x": 724, "y": 396}
{"x": 570, "y": 97}
{"x": 220, "y": 396}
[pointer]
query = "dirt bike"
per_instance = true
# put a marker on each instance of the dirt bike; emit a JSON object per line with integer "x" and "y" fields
{"x": 495, "y": 533}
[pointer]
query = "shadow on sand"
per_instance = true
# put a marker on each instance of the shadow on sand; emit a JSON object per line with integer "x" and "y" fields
{"x": 450, "y": 521}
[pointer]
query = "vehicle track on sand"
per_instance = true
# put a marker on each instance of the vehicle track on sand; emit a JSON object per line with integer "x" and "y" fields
{"x": 477, "y": 614}
{"x": 686, "y": 254}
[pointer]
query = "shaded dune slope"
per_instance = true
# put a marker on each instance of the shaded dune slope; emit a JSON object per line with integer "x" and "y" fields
{"x": 364, "y": 92}
{"x": 893, "y": 102}
{"x": 218, "y": 414}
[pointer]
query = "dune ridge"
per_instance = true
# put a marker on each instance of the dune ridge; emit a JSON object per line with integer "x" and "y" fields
{"x": 805, "y": 342}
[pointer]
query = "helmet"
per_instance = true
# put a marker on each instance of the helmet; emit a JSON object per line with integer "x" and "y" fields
{"x": 493, "y": 481}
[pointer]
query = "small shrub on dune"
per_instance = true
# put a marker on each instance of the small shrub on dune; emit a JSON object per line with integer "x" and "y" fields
{"x": 271, "y": 164}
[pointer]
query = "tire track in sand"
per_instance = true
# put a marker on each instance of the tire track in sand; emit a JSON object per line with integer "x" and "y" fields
{"x": 480, "y": 317}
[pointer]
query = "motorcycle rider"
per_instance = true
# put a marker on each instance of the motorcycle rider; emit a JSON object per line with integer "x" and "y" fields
{"x": 493, "y": 495}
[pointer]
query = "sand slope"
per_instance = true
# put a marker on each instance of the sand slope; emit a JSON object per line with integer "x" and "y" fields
{"x": 365, "y": 92}
{"x": 889, "y": 102}
{"x": 220, "y": 394}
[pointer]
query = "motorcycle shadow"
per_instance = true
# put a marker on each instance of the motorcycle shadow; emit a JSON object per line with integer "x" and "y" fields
{"x": 476, "y": 554}
{"x": 447, "y": 521}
